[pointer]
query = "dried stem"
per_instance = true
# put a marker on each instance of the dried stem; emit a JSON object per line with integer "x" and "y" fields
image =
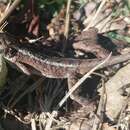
{"x": 95, "y": 16}
{"x": 82, "y": 80}
{"x": 67, "y": 23}
{"x": 9, "y": 11}
{"x": 48, "y": 126}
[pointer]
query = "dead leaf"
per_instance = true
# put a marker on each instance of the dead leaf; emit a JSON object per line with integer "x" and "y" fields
{"x": 115, "y": 100}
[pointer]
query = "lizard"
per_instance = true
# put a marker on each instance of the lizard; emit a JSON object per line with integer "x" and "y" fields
{"x": 53, "y": 67}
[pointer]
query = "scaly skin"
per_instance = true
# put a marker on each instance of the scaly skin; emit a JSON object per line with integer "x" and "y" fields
{"x": 53, "y": 67}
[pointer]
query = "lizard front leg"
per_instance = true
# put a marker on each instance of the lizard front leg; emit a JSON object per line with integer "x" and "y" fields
{"x": 72, "y": 79}
{"x": 22, "y": 67}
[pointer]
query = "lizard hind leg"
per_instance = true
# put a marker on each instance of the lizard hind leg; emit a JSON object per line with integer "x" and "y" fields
{"x": 23, "y": 68}
{"x": 73, "y": 78}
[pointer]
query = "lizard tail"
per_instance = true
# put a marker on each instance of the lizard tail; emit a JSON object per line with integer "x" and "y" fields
{"x": 85, "y": 66}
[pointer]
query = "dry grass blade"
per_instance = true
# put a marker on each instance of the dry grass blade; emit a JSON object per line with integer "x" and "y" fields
{"x": 48, "y": 126}
{"x": 16, "y": 87}
{"x": 82, "y": 80}
{"x": 96, "y": 14}
{"x": 101, "y": 108}
{"x": 67, "y": 19}
{"x": 29, "y": 89}
{"x": 49, "y": 122}
{"x": 67, "y": 22}
{"x": 33, "y": 124}
{"x": 9, "y": 11}
{"x": 105, "y": 23}
{"x": 3, "y": 25}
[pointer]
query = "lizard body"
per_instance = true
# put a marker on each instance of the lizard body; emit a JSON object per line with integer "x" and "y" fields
{"x": 54, "y": 67}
